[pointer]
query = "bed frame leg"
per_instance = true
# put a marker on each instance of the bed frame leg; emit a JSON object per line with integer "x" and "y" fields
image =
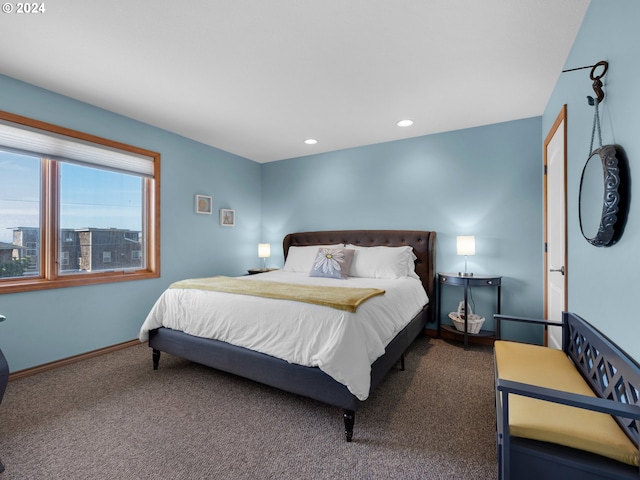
{"x": 349, "y": 419}
{"x": 402, "y": 362}
{"x": 156, "y": 358}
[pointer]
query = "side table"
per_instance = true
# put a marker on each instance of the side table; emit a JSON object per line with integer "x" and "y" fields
{"x": 466, "y": 281}
{"x": 253, "y": 271}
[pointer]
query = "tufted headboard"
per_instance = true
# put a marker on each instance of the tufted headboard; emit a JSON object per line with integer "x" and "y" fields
{"x": 423, "y": 243}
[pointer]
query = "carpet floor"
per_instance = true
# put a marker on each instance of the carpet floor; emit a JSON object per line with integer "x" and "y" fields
{"x": 113, "y": 417}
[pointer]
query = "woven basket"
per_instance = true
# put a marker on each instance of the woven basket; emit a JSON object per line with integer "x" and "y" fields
{"x": 474, "y": 322}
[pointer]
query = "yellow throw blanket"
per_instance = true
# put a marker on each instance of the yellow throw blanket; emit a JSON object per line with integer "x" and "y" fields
{"x": 342, "y": 298}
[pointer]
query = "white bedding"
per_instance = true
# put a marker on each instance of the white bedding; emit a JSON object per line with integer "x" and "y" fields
{"x": 340, "y": 343}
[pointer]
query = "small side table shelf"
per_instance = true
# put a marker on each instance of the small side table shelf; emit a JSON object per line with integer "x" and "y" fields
{"x": 458, "y": 280}
{"x": 253, "y": 271}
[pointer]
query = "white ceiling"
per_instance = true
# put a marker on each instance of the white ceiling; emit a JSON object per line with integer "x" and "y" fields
{"x": 258, "y": 77}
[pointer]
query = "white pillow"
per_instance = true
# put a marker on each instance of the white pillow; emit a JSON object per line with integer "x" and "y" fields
{"x": 383, "y": 262}
{"x": 300, "y": 259}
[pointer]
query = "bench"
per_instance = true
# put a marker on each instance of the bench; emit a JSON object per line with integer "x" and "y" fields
{"x": 565, "y": 414}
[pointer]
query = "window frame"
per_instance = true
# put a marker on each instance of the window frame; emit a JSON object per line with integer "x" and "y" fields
{"x": 50, "y": 215}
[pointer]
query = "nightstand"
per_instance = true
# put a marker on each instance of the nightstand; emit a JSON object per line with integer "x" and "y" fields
{"x": 466, "y": 282}
{"x": 253, "y": 271}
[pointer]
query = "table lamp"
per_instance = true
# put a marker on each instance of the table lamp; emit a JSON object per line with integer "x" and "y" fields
{"x": 466, "y": 245}
{"x": 264, "y": 251}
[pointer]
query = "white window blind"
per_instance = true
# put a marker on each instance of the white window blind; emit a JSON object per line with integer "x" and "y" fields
{"x": 69, "y": 149}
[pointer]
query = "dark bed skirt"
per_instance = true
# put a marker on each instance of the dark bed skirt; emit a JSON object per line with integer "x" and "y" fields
{"x": 307, "y": 381}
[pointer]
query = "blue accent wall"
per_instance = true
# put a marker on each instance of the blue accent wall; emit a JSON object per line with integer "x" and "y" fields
{"x": 45, "y": 326}
{"x": 484, "y": 181}
{"x": 603, "y": 282}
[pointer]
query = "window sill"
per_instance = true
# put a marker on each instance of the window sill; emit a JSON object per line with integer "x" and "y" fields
{"x": 22, "y": 285}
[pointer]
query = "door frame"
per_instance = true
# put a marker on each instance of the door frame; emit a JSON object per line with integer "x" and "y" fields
{"x": 560, "y": 119}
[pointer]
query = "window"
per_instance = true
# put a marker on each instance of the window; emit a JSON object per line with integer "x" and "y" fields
{"x": 74, "y": 209}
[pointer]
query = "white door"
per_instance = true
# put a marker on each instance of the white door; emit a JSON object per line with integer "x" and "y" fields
{"x": 555, "y": 213}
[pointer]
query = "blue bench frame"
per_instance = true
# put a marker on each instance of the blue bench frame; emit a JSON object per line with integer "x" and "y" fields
{"x": 612, "y": 375}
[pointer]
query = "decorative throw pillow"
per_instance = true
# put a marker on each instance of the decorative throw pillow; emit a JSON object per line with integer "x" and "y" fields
{"x": 332, "y": 263}
{"x": 301, "y": 259}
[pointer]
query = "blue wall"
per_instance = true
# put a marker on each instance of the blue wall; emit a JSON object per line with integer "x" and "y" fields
{"x": 45, "y": 326}
{"x": 603, "y": 282}
{"x": 484, "y": 181}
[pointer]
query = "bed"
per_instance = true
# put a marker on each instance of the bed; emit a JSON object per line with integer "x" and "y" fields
{"x": 167, "y": 334}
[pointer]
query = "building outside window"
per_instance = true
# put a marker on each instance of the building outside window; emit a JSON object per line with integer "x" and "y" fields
{"x": 64, "y": 258}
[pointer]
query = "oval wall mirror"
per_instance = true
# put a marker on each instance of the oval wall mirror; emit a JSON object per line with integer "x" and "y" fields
{"x": 604, "y": 198}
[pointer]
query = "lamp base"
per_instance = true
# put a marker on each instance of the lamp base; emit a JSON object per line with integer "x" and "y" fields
{"x": 465, "y": 274}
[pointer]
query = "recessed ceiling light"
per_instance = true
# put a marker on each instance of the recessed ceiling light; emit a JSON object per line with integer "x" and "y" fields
{"x": 311, "y": 141}
{"x": 405, "y": 123}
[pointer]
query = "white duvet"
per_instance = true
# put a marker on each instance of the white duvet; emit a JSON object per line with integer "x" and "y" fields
{"x": 342, "y": 344}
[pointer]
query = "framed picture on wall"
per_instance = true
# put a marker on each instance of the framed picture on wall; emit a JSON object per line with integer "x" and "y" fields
{"x": 204, "y": 204}
{"x": 227, "y": 217}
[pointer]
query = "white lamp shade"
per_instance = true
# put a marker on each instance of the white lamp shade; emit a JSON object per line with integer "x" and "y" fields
{"x": 264, "y": 250}
{"x": 466, "y": 245}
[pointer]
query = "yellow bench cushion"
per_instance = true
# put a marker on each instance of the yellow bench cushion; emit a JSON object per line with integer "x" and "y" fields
{"x": 551, "y": 422}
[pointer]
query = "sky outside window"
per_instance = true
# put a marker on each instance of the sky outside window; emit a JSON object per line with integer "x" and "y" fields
{"x": 19, "y": 193}
{"x": 96, "y": 198}
{"x": 90, "y": 197}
